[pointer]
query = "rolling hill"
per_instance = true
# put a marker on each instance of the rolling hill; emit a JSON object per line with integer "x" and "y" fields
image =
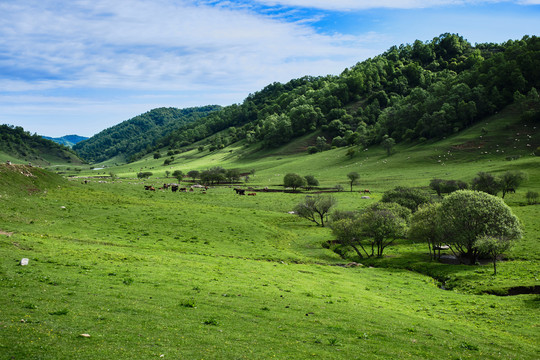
{"x": 19, "y": 146}
{"x": 68, "y": 140}
{"x": 131, "y": 137}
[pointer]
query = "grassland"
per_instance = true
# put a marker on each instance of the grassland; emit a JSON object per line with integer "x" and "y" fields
{"x": 219, "y": 276}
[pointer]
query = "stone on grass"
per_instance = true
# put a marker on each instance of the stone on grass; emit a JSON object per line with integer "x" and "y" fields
{"x": 24, "y": 261}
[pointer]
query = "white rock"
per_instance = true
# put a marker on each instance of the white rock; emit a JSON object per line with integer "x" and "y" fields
{"x": 24, "y": 261}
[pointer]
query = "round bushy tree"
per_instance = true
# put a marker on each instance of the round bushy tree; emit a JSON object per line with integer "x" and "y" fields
{"x": 293, "y": 181}
{"x": 467, "y": 215}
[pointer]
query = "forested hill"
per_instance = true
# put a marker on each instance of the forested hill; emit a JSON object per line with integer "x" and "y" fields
{"x": 412, "y": 92}
{"x": 67, "y": 140}
{"x": 138, "y": 134}
{"x": 23, "y": 146}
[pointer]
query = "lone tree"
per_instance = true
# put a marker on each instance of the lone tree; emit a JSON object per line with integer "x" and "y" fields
{"x": 467, "y": 215}
{"x": 511, "y": 180}
{"x": 353, "y": 178}
{"x": 144, "y": 175}
{"x": 487, "y": 183}
{"x": 493, "y": 246}
{"x": 315, "y": 208}
{"x": 425, "y": 227}
{"x": 311, "y": 181}
{"x": 178, "y": 174}
{"x": 293, "y": 181}
{"x": 388, "y": 143}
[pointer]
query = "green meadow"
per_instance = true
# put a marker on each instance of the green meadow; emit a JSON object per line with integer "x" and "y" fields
{"x": 119, "y": 272}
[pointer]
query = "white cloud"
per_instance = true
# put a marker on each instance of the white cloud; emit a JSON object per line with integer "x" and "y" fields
{"x": 154, "y": 44}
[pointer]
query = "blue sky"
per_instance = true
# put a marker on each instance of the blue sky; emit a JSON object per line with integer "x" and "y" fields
{"x": 81, "y": 66}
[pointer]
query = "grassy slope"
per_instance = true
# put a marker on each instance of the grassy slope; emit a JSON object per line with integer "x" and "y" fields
{"x": 186, "y": 276}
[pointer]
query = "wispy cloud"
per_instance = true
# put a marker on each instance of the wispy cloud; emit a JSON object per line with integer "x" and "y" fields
{"x": 345, "y": 5}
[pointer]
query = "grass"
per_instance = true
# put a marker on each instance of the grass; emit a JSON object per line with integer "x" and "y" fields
{"x": 220, "y": 276}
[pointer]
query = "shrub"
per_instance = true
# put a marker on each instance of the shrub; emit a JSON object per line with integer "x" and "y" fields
{"x": 410, "y": 198}
{"x": 532, "y": 197}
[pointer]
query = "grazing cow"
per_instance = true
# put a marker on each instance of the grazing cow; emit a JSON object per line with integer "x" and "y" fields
{"x": 152, "y": 188}
{"x": 366, "y": 191}
{"x": 174, "y": 188}
{"x": 165, "y": 186}
{"x": 183, "y": 189}
{"x": 148, "y": 187}
{"x": 252, "y": 194}
{"x": 240, "y": 191}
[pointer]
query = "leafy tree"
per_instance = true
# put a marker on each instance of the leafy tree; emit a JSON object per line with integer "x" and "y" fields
{"x": 157, "y": 155}
{"x": 178, "y": 174}
{"x": 232, "y": 175}
{"x": 311, "y": 181}
{"x": 408, "y": 197}
{"x": 382, "y": 223}
{"x": 425, "y": 227}
{"x": 167, "y": 173}
{"x": 144, "y": 175}
{"x": 487, "y": 183}
{"x": 321, "y": 143}
{"x": 353, "y": 178}
{"x": 213, "y": 175}
{"x": 315, "y": 208}
{"x": 494, "y": 247}
{"x": 194, "y": 174}
{"x": 466, "y": 215}
{"x": 511, "y": 180}
{"x": 347, "y": 230}
{"x": 293, "y": 181}
{"x": 388, "y": 143}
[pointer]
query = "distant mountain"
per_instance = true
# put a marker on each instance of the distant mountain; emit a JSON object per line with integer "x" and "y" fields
{"x": 23, "y": 146}
{"x": 138, "y": 134}
{"x": 68, "y": 140}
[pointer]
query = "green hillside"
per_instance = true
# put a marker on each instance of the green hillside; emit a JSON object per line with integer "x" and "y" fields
{"x": 414, "y": 92}
{"x": 139, "y": 134}
{"x": 19, "y": 146}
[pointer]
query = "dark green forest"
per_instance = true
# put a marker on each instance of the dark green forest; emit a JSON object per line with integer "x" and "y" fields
{"x": 20, "y": 144}
{"x": 139, "y": 134}
{"x": 412, "y": 92}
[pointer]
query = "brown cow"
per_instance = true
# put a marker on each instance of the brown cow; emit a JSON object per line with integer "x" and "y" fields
{"x": 252, "y": 194}
{"x": 366, "y": 191}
